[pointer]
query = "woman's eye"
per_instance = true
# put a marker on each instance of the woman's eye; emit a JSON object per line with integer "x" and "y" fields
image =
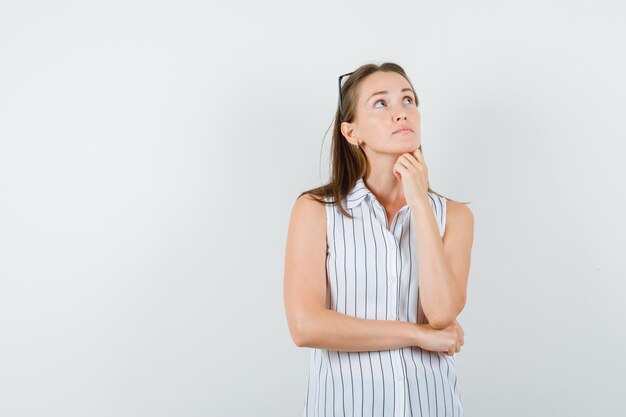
{"x": 382, "y": 101}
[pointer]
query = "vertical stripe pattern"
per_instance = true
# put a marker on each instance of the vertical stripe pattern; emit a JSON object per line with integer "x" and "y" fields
{"x": 372, "y": 273}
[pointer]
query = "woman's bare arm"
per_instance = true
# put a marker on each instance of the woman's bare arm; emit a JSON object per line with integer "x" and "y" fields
{"x": 310, "y": 323}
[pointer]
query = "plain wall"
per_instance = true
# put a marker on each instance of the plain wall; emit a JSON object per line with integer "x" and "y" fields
{"x": 151, "y": 152}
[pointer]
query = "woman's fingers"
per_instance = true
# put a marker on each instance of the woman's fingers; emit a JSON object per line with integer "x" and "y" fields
{"x": 409, "y": 161}
{"x": 405, "y": 163}
{"x": 417, "y": 157}
{"x": 399, "y": 170}
{"x": 402, "y": 168}
{"x": 417, "y": 153}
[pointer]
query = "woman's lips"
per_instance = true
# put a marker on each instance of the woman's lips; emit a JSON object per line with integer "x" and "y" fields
{"x": 403, "y": 131}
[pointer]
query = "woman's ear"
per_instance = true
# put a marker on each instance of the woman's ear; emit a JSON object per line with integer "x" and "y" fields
{"x": 347, "y": 130}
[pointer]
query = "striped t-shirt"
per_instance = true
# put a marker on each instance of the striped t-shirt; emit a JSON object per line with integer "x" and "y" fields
{"x": 372, "y": 272}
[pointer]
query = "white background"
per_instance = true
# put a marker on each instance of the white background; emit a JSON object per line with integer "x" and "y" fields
{"x": 151, "y": 152}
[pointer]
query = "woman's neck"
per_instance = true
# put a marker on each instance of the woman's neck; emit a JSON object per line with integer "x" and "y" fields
{"x": 382, "y": 182}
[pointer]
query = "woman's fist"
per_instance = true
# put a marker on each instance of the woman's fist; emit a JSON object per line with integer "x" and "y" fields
{"x": 448, "y": 340}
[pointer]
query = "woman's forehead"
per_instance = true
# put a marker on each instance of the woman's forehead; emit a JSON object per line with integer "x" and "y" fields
{"x": 382, "y": 81}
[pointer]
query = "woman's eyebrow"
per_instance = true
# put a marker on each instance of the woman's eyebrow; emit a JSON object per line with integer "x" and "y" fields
{"x": 385, "y": 92}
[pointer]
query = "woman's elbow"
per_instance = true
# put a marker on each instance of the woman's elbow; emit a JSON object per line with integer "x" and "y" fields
{"x": 299, "y": 340}
{"x": 443, "y": 319}
{"x": 301, "y": 331}
{"x": 441, "y": 323}
{"x": 298, "y": 335}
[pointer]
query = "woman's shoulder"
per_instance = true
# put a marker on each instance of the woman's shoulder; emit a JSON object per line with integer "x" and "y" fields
{"x": 309, "y": 209}
{"x": 455, "y": 208}
{"x": 307, "y": 225}
{"x": 310, "y": 201}
{"x": 459, "y": 215}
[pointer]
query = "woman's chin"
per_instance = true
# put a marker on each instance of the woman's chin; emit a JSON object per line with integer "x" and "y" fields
{"x": 409, "y": 146}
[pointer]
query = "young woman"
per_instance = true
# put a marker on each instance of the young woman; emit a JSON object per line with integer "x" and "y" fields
{"x": 377, "y": 264}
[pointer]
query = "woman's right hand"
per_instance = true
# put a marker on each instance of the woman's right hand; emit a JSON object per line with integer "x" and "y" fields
{"x": 448, "y": 340}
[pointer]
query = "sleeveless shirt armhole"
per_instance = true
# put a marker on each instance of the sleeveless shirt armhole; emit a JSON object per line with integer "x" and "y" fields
{"x": 327, "y": 208}
{"x": 443, "y": 214}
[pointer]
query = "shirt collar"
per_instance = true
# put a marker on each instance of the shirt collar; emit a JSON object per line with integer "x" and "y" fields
{"x": 357, "y": 194}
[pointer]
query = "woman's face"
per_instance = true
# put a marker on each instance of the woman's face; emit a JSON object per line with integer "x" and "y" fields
{"x": 385, "y": 104}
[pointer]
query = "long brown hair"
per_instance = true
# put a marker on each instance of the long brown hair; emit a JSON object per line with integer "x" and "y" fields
{"x": 348, "y": 162}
